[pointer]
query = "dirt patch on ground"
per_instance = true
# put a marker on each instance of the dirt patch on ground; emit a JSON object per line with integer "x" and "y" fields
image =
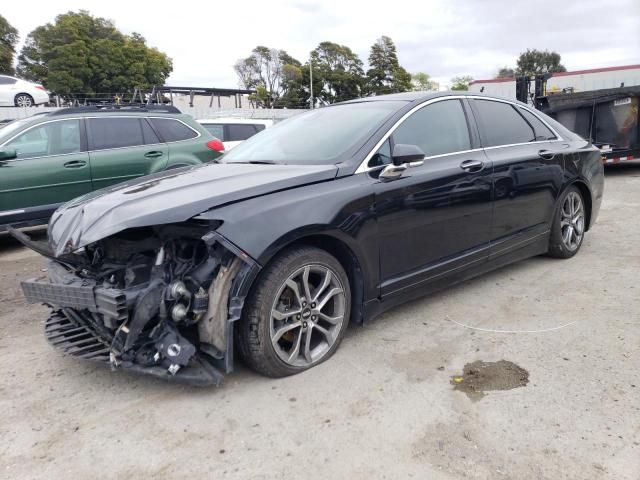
{"x": 479, "y": 377}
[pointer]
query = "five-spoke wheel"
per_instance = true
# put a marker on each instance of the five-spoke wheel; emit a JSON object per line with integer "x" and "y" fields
{"x": 297, "y": 314}
{"x": 569, "y": 224}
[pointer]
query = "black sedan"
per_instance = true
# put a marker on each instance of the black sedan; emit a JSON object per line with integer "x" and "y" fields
{"x": 334, "y": 215}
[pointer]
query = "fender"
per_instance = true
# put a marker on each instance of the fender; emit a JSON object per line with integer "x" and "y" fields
{"x": 262, "y": 226}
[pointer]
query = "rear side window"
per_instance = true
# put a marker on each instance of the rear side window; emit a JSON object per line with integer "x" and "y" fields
{"x": 172, "y": 130}
{"x": 501, "y": 124}
{"x": 437, "y": 129}
{"x": 239, "y": 132}
{"x": 541, "y": 130}
{"x": 216, "y": 130}
{"x": 114, "y": 132}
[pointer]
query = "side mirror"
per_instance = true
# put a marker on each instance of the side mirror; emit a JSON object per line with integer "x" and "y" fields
{"x": 8, "y": 153}
{"x": 404, "y": 156}
{"x": 405, "y": 153}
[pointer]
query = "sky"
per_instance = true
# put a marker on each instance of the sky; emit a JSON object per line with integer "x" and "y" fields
{"x": 442, "y": 38}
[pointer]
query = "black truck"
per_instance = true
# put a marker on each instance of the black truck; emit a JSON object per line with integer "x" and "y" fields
{"x": 608, "y": 117}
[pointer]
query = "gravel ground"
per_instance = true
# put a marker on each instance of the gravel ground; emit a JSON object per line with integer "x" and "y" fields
{"x": 385, "y": 406}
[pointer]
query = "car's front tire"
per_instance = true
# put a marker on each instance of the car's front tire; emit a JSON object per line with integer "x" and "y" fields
{"x": 569, "y": 225}
{"x": 23, "y": 100}
{"x": 296, "y": 315}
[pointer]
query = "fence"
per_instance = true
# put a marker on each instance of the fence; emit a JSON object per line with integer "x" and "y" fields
{"x": 196, "y": 112}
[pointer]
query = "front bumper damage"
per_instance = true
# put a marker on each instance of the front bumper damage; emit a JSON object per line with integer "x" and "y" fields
{"x": 160, "y": 302}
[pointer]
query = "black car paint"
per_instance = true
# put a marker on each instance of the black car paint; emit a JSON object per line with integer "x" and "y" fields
{"x": 169, "y": 197}
{"x": 435, "y": 225}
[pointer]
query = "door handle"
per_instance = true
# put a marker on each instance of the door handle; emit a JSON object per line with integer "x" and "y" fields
{"x": 546, "y": 154}
{"x": 472, "y": 166}
{"x": 153, "y": 154}
{"x": 75, "y": 164}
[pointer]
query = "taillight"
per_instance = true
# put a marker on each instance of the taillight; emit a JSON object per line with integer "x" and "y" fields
{"x": 216, "y": 145}
{"x": 39, "y": 87}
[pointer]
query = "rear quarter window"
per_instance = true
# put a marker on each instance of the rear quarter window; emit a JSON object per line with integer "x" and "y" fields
{"x": 172, "y": 130}
{"x": 541, "y": 130}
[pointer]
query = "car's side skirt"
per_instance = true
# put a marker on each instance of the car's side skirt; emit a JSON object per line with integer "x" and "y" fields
{"x": 534, "y": 246}
{"x": 27, "y": 217}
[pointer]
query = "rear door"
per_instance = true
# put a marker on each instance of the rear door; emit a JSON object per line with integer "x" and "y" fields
{"x": 178, "y": 136}
{"x": 121, "y": 148}
{"x": 52, "y": 167}
{"x": 527, "y": 172}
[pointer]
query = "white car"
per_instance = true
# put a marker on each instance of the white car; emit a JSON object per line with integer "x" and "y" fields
{"x": 15, "y": 92}
{"x": 232, "y": 131}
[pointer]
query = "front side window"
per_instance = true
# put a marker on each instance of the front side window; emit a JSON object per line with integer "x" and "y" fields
{"x": 114, "y": 132}
{"x": 172, "y": 130}
{"x": 216, "y": 130}
{"x": 437, "y": 129}
{"x": 502, "y": 125}
{"x": 239, "y": 132}
{"x": 53, "y": 138}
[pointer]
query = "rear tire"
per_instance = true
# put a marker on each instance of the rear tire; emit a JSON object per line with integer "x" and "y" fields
{"x": 569, "y": 225}
{"x": 23, "y": 100}
{"x": 296, "y": 314}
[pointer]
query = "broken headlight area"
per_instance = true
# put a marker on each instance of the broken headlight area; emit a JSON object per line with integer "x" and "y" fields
{"x": 158, "y": 300}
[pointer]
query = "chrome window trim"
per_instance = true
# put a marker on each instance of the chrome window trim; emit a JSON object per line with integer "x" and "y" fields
{"x": 363, "y": 167}
{"x": 198, "y": 135}
{"x": 41, "y": 156}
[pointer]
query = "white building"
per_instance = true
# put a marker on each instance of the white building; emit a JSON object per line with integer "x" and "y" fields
{"x": 579, "y": 81}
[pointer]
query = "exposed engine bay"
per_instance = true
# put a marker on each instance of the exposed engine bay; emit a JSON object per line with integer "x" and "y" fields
{"x": 160, "y": 300}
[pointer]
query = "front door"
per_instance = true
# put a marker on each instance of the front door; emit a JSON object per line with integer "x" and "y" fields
{"x": 121, "y": 148}
{"x": 51, "y": 168}
{"x": 435, "y": 219}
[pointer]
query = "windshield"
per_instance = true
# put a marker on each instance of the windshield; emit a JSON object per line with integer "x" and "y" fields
{"x": 316, "y": 137}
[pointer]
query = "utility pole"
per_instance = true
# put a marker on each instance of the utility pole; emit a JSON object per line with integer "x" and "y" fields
{"x": 311, "y": 81}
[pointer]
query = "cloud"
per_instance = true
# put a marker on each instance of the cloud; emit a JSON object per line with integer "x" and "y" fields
{"x": 442, "y": 38}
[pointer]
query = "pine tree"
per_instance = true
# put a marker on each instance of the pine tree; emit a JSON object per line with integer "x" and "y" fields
{"x": 385, "y": 74}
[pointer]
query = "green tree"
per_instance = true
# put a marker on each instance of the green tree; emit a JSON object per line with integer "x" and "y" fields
{"x": 461, "y": 83}
{"x": 274, "y": 72}
{"x": 421, "y": 81}
{"x": 385, "y": 74}
{"x": 80, "y": 53}
{"x": 506, "y": 72}
{"x": 338, "y": 72}
{"x": 534, "y": 62}
{"x": 8, "y": 41}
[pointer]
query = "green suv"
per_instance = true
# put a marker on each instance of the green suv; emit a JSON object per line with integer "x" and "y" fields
{"x": 50, "y": 158}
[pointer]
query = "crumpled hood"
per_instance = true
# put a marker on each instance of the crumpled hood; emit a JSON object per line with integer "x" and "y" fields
{"x": 169, "y": 197}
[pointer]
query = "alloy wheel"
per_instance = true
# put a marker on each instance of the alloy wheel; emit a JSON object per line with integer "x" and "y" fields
{"x": 307, "y": 315}
{"x": 572, "y": 221}
{"x": 24, "y": 101}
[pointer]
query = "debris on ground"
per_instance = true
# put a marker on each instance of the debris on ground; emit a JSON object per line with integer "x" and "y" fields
{"x": 479, "y": 377}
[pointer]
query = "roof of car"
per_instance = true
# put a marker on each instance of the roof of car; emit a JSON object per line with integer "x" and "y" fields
{"x": 422, "y": 96}
{"x": 116, "y": 109}
{"x": 260, "y": 121}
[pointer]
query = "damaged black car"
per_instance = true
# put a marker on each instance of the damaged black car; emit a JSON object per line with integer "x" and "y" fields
{"x": 330, "y": 217}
